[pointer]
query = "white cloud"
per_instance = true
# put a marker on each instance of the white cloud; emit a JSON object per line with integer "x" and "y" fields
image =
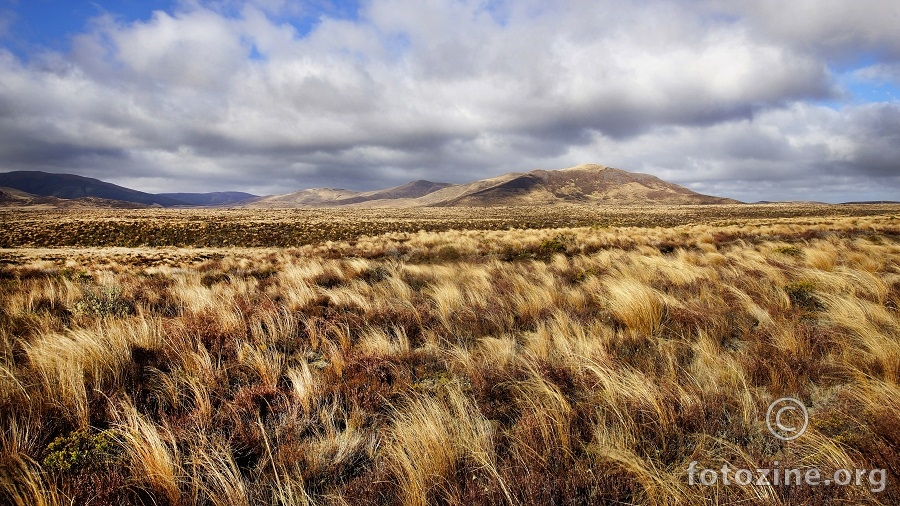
{"x": 836, "y": 28}
{"x": 882, "y": 73}
{"x": 198, "y": 49}
{"x": 230, "y": 95}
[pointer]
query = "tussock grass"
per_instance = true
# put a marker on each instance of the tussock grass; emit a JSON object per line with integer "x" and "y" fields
{"x": 73, "y": 365}
{"x": 152, "y": 454}
{"x": 635, "y": 304}
{"x": 216, "y": 475}
{"x": 452, "y": 358}
{"x": 22, "y": 483}
{"x": 431, "y": 438}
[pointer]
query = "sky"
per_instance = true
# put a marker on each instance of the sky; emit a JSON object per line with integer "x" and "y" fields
{"x": 753, "y": 100}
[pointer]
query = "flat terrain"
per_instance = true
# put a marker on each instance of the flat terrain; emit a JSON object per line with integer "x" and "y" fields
{"x": 540, "y": 355}
{"x": 24, "y": 227}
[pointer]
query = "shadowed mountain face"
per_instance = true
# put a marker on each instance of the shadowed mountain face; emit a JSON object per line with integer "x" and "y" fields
{"x": 210, "y": 199}
{"x": 70, "y": 186}
{"x": 584, "y": 184}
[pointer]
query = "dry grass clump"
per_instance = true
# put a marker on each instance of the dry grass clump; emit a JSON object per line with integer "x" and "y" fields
{"x": 150, "y": 453}
{"x": 478, "y": 360}
{"x": 635, "y": 304}
{"x": 431, "y": 438}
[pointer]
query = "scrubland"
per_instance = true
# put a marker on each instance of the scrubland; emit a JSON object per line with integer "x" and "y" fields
{"x": 466, "y": 364}
{"x": 213, "y": 227}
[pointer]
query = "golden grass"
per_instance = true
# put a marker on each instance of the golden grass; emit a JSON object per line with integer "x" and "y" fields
{"x": 151, "y": 453}
{"x": 635, "y": 304}
{"x": 429, "y": 438}
{"x": 450, "y": 358}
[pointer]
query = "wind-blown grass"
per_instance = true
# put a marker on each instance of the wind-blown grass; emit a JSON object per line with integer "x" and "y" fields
{"x": 581, "y": 365}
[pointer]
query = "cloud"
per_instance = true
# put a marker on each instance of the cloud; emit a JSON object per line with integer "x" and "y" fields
{"x": 834, "y": 29}
{"x": 257, "y": 95}
{"x": 804, "y": 152}
{"x": 881, "y": 74}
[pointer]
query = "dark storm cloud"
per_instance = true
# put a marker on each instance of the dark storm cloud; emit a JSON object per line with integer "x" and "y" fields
{"x": 35, "y": 155}
{"x": 228, "y": 95}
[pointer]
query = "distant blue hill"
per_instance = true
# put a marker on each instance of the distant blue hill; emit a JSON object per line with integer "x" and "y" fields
{"x": 210, "y": 199}
{"x": 71, "y": 186}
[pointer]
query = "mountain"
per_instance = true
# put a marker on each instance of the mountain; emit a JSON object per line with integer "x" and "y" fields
{"x": 313, "y": 197}
{"x": 411, "y": 190}
{"x": 584, "y": 184}
{"x": 11, "y": 197}
{"x": 210, "y": 199}
{"x": 70, "y": 186}
{"x": 334, "y": 197}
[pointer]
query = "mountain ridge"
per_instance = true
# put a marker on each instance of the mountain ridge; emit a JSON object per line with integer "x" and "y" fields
{"x": 211, "y": 198}
{"x": 73, "y": 186}
{"x": 581, "y": 184}
{"x": 42, "y": 184}
{"x": 12, "y": 197}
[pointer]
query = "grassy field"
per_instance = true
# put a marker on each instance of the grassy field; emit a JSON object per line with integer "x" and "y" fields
{"x": 298, "y": 227}
{"x": 450, "y": 356}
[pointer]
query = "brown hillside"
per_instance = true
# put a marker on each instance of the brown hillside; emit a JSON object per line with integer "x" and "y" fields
{"x": 584, "y": 184}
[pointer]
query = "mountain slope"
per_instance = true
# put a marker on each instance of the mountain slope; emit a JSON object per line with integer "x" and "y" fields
{"x": 210, "y": 199}
{"x": 11, "y": 197}
{"x": 411, "y": 190}
{"x": 313, "y": 197}
{"x": 331, "y": 197}
{"x": 581, "y": 184}
{"x": 70, "y": 186}
{"x": 584, "y": 184}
